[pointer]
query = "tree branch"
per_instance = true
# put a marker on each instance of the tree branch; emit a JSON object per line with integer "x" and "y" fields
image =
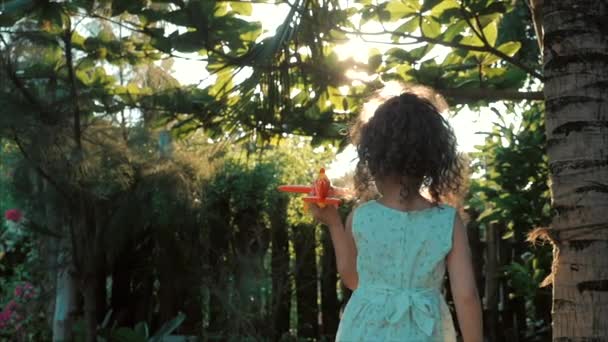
{"x": 12, "y": 74}
{"x": 461, "y": 95}
{"x": 67, "y": 39}
{"x": 38, "y": 169}
{"x": 424, "y": 39}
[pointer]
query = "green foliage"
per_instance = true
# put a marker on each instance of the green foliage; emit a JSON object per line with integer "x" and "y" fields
{"x": 516, "y": 174}
{"x": 89, "y": 87}
{"x": 512, "y": 192}
{"x": 492, "y": 46}
{"x": 139, "y": 333}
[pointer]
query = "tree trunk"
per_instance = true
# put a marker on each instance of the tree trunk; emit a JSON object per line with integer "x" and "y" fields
{"x": 491, "y": 286}
{"x": 306, "y": 281}
{"x": 476, "y": 247}
{"x": 330, "y": 308}
{"x": 507, "y": 315}
{"x": 121, "y": 289}
{"x": 89, "y": 292}
{"x": 219, "y": 263}
{"x": 281, "y": 289}
{"x": 65, "y": 304}
{"x": 519, "y": 302}
{"x": 576, "y": 72}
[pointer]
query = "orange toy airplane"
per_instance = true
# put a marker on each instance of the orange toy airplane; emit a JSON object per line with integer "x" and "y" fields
{"x": 320, "y": 192}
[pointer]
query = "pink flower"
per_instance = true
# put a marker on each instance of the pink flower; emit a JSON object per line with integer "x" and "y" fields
{"x": 14, "y": 215}
{"x": 18, "y": 291}
{"x": 11, "y": 306}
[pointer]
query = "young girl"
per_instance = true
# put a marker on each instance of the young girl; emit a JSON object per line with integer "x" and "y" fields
{"x": 393, "y": 251}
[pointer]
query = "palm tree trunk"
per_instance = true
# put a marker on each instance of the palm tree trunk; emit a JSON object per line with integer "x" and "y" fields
{"x": 576, "y": 72}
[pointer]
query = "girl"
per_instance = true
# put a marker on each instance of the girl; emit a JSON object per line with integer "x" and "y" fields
{"x": 393, "y": 251}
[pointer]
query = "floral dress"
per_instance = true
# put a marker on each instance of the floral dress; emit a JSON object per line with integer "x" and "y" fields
{"x": 401, "y": 266}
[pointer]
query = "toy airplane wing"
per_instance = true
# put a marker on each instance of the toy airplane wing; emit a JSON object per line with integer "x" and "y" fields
{"x": 300, "y": 189}
{"x": 322, "y": 201}
{"x": 340, "y": 192}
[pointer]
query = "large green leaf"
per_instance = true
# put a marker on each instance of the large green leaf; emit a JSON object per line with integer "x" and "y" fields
{"x": 509, "y": 48}
{"x": 441, "y": 7}
{"x": 374, "y": 59}
{"x": 430, "y": 27}
{"x": 241, "y": 7}
{"x": 409, "y": 26}
{"x": 126, "y": 335}
{"x": 400, "y": 9}
{"x": 490, "y": 32}
{"x": 454, "y": 30}
{"x": 428, "y": 4}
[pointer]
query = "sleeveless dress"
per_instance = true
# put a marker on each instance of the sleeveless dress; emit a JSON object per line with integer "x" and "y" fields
{"x": 401, "y": 266}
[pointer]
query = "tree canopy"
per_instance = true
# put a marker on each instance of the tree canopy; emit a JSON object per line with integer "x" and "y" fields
{"x": 289, "y": 82}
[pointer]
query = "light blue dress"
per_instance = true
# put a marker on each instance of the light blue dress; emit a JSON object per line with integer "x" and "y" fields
{"x": 401, "y": 266}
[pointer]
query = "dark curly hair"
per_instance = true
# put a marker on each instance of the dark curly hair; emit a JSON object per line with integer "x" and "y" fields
{"x": 408, "y": 137}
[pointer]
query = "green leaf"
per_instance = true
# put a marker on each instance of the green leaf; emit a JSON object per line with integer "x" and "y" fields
{"x": 168, "y": 328}
{"x": 472, "y": 40}
{"x": 438, "y": 10}
{"x": 419, "y": 52}
{"x": 490, "y": 32}
{"x": 409, "y": 26}
{"x": 337, "y": 35}
{"x": 242, "y": 8}
{"x": 509, "y": 48}
{"x": 485, "y": 20}
{"x": 126, "y": 335}
{"x": 495, "y": 7}
{"x": 403, "y": 72}
{"x": 142, "y": 329}
{"x": 375, "y": 59}
{"x": 251, "y": 35}
{"x": 428, "y": 4}
{"x": 188, "y": 42}
{"x": 453, "y": 30}
{"x": 133, "y": 88}
{"x": 430, "y": 27}
{"x": 400, "y": 9}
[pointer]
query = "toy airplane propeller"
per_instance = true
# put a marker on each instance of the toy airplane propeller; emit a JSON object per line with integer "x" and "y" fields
{"x": 320, "y": 192}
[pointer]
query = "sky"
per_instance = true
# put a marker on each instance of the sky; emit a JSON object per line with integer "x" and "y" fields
{"x": 466, "y": 123}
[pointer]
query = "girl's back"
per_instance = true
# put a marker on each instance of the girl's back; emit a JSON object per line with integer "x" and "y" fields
{"x": 401, "y": 266}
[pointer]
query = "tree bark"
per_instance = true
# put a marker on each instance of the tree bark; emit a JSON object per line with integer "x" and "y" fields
{"x": 281, "y": 289}
{"x": 491, "y": 286}
{"x": 89, "y": 292}
{"x": 65, "y": 303}
{"x": 576, "y": 71}
{"x": 306, "y": 280}
{"x": 330, "y": 308}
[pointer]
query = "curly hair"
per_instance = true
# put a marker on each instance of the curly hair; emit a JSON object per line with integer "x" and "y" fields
{"x": 408, "y": 137}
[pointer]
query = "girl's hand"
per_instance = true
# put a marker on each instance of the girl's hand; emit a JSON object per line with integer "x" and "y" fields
{"x": 329, "y": 215}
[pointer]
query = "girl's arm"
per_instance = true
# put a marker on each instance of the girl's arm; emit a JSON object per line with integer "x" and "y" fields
{"x": 462, "y": 282}
{"x": 344, "y": 243}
